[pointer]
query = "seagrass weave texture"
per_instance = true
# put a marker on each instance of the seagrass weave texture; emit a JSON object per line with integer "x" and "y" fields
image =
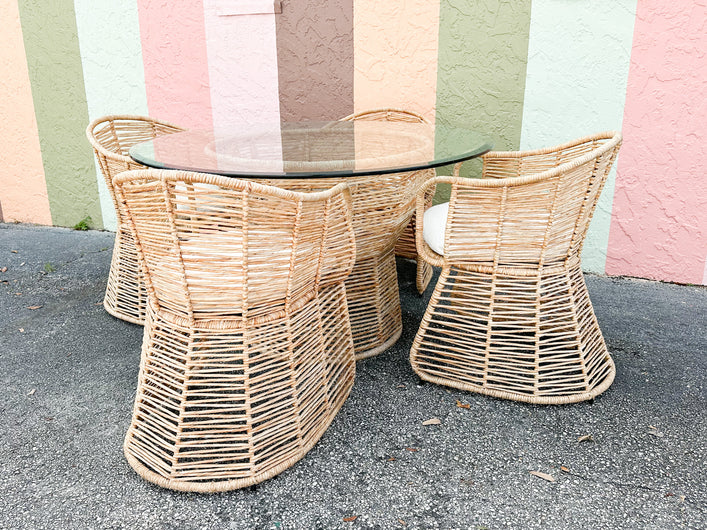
{"x": 247, "y": 355}
{"x": 381, "y": 206}
{"x": 111, "y": 137}
{"x": 510, "y": 315}
{"x": 405, "y": 246}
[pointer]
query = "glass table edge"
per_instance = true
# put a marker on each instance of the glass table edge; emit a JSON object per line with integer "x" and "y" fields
{"x": 485, "y": 148}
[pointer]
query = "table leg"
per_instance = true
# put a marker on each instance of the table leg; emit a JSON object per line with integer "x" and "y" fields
{"x": 382, "y": 208}
{"x": 374, "y": 304}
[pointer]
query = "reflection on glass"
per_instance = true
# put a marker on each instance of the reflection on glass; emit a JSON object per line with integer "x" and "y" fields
{"x": 314, "y": 149}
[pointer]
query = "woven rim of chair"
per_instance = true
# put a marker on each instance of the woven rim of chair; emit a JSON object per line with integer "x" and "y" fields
{"x": 383, "y": 113}
{"x": 436, "y": 260}
{"x": 90, "y": 132}
{"x": 614, "y": 138}
{"x": 231, "y": 183}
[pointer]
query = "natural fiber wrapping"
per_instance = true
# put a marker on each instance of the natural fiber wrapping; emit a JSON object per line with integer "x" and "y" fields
{"x": 248, "y": 353}
{"x": 111, "y": 138}
{"x": 510, "y": 315}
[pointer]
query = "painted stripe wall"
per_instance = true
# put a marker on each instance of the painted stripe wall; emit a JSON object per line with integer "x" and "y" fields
{"x": 483, "y": 50}
{"x": 173, "y": 36}
{"x": 242, "y": 60}
{"x": 51, "y": 43}
{"x": 531, "y": 74}
{"x": 23, "y": 190}
{"x": 578, "y": 61}
{"x": 659, "y": 222}
{"x": 395, "y": 65}
{"x": 315, "y": 59}
{"x": 111, "y": 57}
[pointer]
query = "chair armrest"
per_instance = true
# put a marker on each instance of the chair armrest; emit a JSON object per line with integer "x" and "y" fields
{"x": 422, "y": 203}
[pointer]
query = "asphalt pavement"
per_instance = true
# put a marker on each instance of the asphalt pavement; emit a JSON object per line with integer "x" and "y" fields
{"x": 635, "y": 457}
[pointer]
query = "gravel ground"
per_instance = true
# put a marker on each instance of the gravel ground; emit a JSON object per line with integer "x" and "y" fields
{"x": 69, "y": 373}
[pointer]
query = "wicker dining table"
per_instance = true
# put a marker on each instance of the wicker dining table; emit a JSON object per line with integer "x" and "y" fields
{"x": 384, "y": 164}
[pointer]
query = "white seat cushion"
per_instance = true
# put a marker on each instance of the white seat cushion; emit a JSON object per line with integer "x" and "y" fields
{"x": 433, "y": 226}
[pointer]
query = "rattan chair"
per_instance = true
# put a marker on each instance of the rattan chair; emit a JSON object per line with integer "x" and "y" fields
{"x": 111, "y": 138}
{"x": 510, "y": 315}
{"x": 248, "y": 354}
{"x": 405, "y": 246}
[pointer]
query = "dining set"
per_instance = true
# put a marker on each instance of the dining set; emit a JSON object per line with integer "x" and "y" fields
{"x": 262, "y": 263}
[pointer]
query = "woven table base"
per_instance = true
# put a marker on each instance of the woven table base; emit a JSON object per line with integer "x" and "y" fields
{"x": 374, "y": 304}
{"x": 521, "y": 338}
{"x": 405, "y": 248}
{"x": 382, "y": 207}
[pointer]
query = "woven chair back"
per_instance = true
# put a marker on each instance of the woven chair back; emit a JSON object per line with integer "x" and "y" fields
{"x": 531, "y": 210}
{"x": 112, "y": 137}
{"x": 386, "y": 115}
{"x": 219, "y": 248}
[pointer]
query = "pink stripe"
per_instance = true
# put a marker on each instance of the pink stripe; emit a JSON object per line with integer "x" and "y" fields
{"x": 173, "y": 39}
{"x": 23, "y": 190}
{"x": 659, "y": 217}
{"x": 242, "y": 66}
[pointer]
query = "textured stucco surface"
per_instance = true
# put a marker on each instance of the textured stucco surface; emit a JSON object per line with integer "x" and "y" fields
{"x": 51, "y": 43}
{"x": 483, "y": 49}
{"x": 315, "y": 59}
{"x": 242, "y": 67}
{"x": 176, "y": 65}
{"x": 659, "y": 225}
{"x": 578, "y": 61}
{"x": 395, "y": 55}
{"x": 23, "y": 191}
{"x": 111, "y": 55}
{"x": 322, "y": 60}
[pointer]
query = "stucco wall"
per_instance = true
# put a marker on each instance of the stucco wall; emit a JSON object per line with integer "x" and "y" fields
{"x": 531, "y": 74}
{"x": 659, "y": 226}
{"x": 23, "y": 189}
{"x": 578, "y": 87}
{"x": 58, "y": 92}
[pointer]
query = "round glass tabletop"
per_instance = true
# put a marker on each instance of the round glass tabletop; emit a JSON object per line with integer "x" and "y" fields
{"x": 314, "y": 149}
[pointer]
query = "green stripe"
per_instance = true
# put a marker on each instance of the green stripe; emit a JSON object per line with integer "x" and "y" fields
{"x": 483, "y": 53}
{"x": 55, "y": 72}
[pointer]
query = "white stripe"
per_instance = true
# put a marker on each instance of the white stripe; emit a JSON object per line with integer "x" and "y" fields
{"x": 114, "y": 76}
{"x": 578, "y": 62}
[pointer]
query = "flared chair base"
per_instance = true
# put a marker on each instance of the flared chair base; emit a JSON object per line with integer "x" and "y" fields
{"x": 125, "y": 297}
{"x": 531, "y": 339}
{"x": 226, "y": 404}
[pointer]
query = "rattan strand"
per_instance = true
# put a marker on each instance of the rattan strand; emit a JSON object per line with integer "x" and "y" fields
{"x": 382, "y": 206}
{"x": 247, "y": 354}
{"x": 111, "y": 137}
{"x": 510, "y": 315}
{"x": 405, "y": 246}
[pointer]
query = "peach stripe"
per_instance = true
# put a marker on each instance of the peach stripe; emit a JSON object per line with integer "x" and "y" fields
{"x": 659, "y": 218}
{"x": 23, "y": 190}
{"x": 173, "y": 38}
{"x": 395, "y": 55}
